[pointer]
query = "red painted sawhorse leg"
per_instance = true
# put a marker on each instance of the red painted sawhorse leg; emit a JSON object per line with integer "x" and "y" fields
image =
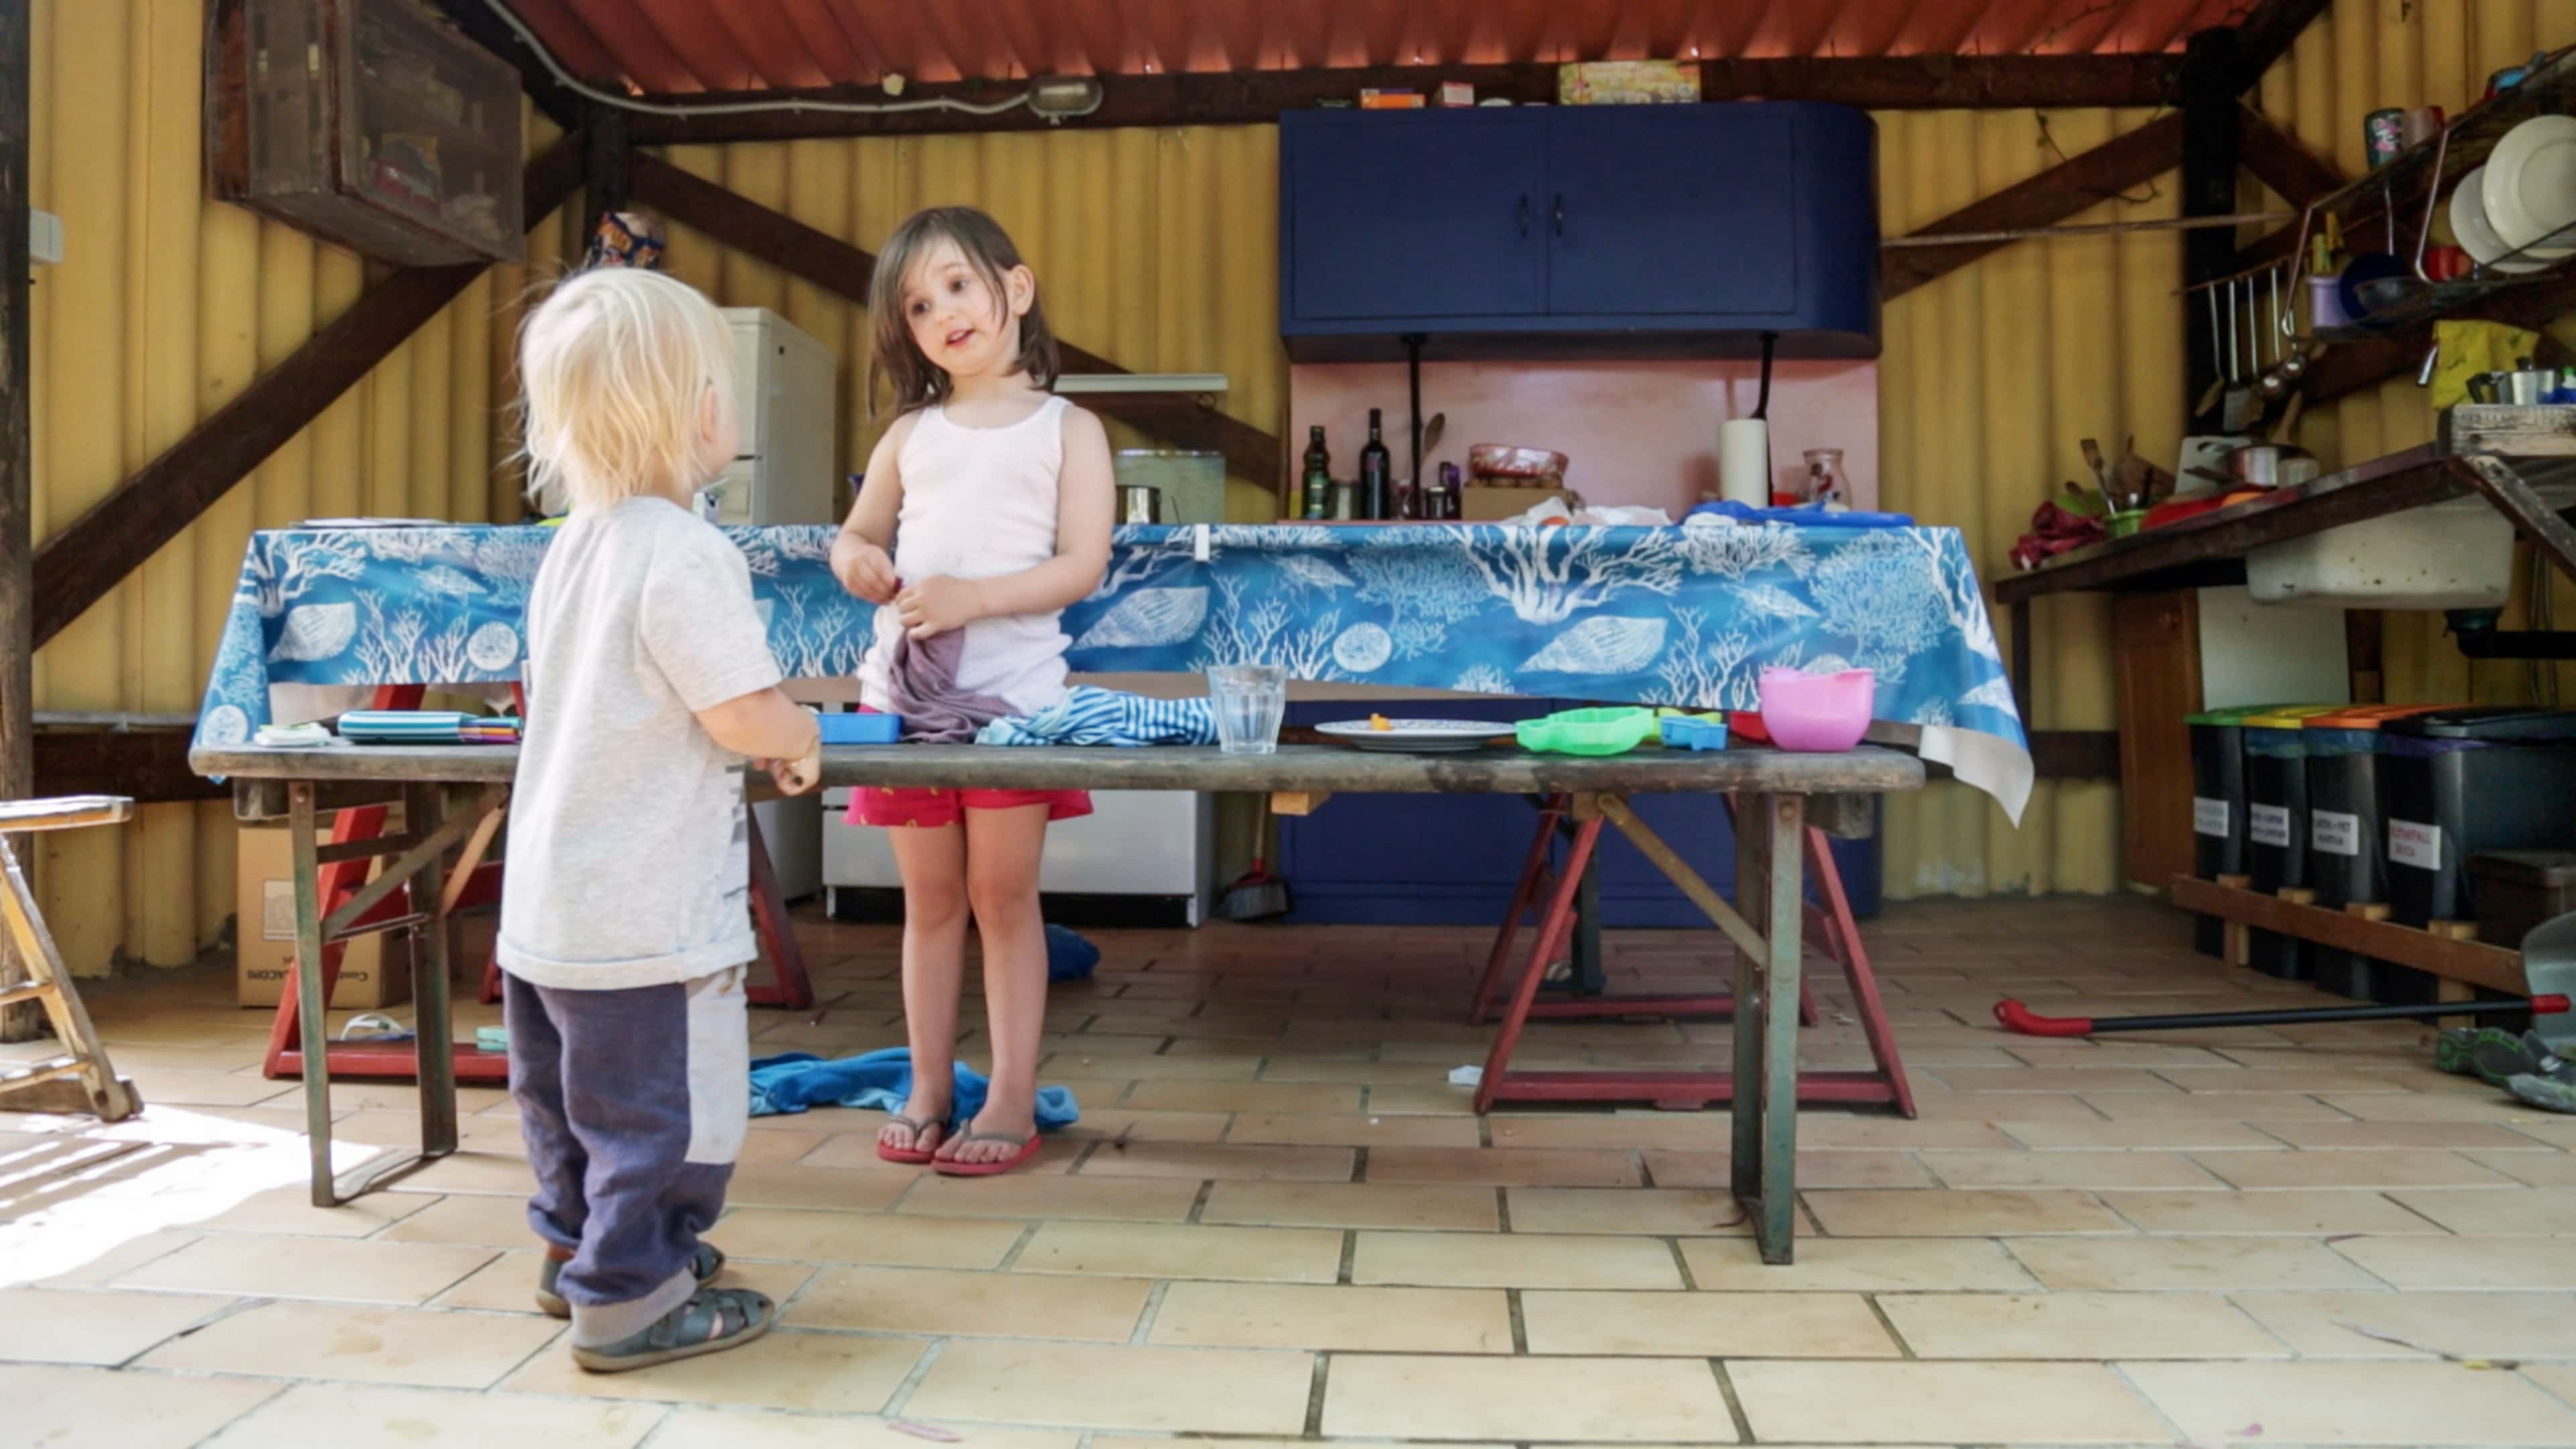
{"x": 1832, "y": 924}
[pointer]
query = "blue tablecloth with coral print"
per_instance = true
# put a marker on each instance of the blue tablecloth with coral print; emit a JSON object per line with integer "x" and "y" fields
{"x": 1680, "y": 616}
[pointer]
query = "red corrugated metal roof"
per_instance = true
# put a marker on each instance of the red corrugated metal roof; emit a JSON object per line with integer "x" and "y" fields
{"x": 675, "y": 46}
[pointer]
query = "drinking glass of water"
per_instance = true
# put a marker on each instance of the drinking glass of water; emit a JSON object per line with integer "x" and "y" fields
{"x": 1249, "y": 700}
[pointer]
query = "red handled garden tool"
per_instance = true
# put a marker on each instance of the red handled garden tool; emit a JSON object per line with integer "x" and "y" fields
{"x": 2020, "y": 1018}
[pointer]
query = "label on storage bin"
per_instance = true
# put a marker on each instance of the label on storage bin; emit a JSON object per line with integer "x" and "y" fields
{"x": 2331, "y": 832}
{"x": 2268, "y": 825}
{"x": 2208, "y": 817}
{"x": 2415, "y": 844}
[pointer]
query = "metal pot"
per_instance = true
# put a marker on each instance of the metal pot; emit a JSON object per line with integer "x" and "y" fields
{"x": 1139, "y": 503}
{"x": 2271, "y": 465}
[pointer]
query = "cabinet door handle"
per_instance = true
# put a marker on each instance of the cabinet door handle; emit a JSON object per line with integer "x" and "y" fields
{"x": 1560, "y": 213}
{"x": 1521, "y": 214}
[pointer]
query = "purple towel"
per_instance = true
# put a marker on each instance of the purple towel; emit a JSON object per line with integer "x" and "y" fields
{"x": 923, "y": 678}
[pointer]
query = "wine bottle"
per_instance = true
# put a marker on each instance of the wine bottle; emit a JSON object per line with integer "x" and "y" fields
{"x": 1318, "y": 491}
{"x": 1376, "y": 499}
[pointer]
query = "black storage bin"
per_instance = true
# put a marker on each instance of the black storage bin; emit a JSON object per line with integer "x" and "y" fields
{"x": 2463, "y": 781}
{"x": 2276, "y": 827}
{"x": 2218, "y": 805}
{"x": 2348, "y": 845}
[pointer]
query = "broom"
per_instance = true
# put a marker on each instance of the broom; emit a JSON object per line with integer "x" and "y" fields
{"x": 1259, "y": 895}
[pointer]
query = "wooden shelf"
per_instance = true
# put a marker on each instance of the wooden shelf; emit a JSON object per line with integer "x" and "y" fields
{"x": 2473, "y": 963}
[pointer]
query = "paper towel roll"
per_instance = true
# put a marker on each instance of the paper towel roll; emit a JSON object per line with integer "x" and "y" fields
{"x": 1744, "y": 462}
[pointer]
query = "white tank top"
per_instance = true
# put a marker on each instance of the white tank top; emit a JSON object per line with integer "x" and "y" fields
{"x": 979, "y": 503}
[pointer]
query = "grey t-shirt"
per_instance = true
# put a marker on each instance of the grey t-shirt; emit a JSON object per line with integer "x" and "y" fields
{"x": 628, "y": 861}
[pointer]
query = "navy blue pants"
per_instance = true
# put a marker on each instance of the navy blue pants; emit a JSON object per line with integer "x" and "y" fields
{"x": 633, "y": 1104}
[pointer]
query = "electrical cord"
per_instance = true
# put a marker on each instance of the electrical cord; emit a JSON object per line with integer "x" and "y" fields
{"x": 528, "y": 38}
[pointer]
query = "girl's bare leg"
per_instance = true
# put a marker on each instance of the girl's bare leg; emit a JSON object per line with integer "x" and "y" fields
{"x": 1002, "y": 852}
{"x": 933, "y": 863}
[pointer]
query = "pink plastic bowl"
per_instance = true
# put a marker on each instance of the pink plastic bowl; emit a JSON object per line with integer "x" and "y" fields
{"x": 1818, "y": 713}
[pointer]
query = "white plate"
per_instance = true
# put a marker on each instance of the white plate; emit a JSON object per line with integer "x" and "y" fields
{"x": 1417, "y": 736}
{"x": 2477, "y": 234}
{"x": 2530, "y": 186}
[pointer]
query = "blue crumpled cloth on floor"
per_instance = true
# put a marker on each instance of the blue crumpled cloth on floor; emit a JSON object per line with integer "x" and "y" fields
{"x": 881, "y": 1081}
{"x": 1070, "y": 956}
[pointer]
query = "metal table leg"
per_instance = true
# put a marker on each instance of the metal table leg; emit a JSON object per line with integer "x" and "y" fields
{"x": 1764, "y": 1169}
{"x": 311, "y": 991}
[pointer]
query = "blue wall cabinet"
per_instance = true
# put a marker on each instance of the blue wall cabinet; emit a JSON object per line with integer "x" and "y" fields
{"x": 1579, "y": 231}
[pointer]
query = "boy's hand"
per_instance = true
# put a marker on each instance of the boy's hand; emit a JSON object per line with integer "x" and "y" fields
{"x": 937, "y": 605}
{"x": 865, "y": 570}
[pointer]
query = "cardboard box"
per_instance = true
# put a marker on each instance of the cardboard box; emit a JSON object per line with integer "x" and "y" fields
{"x": 1627, "y": 83}
{"x": 264, "y": 898}
{"x": 1483, "y": 503}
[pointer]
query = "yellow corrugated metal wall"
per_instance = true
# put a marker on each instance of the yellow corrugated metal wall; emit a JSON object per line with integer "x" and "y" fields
{"x": 2358, "y": 57}
{"x": 166, "y": 305}
{"x": 1991, "y": 376}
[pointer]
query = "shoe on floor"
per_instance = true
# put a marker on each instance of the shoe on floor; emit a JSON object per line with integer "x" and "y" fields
{"x": 708, "y": 1261}
{"x": 714, "y": 1319}
{"x": 2491, "y": 1054}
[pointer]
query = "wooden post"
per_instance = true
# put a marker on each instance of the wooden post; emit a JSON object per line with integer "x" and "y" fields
{"x": 611, "y": 174}
{"x": 2210, "y": 140}
{"x": 23, "y": 1022}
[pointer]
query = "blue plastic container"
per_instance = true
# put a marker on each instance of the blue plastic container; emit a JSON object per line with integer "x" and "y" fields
{"x": 1682, "y": 732}
{"x": 861, "y": 729}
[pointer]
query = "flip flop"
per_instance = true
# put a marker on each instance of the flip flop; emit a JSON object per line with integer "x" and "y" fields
{"x": 950, "y": 1167}
{"x": 916, "y": 1154}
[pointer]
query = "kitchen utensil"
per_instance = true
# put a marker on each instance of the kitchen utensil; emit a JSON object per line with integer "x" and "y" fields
{"x": 2363, "y": 269}
{"x": 2274, "y": 383}
{"x": 2528, "y": 387}
{"x": 2219, "y": 476}
{"x": 2325, "y": 303}
{"x": 2477, "y": 233}
{"x": 2271, "y": 465}
{"x": 2217, "y": 359}
{"x": 2288, "y": 426}
{"x": 1816, "y": 713}
{"x": 1139, "y": 503}
{"x": 2203, "y": 458}
{"x": 1248, "y": 700}
{"x": 1613, "y": 731}
{"x": 1432, "y": 431}
{"x": 2236, "y": 409}
{"x": 1416, "y": 736}
{"x": 2530, "y": 186}
{"x": 2093, "y": 460}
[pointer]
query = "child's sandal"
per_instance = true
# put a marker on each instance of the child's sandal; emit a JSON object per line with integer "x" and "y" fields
{"x": 916, "y": 1154}
{"x": 704, "y": 1264}
{"x": 712, "y": 1320}
{"x": 1027, "y": 1152}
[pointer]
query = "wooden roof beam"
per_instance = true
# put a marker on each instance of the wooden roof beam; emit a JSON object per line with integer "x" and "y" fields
{"x": 836, "y": 266}
{"x": 2266, "y": 33}
{"x": 487, "y": 30}
{"x": 88, "y": 556}
{"x": 2074, "y": 185}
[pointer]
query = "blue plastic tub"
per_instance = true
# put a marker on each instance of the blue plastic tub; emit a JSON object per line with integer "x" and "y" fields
{"x": 1683, "y": 732}
{"x": 861, "y": 729}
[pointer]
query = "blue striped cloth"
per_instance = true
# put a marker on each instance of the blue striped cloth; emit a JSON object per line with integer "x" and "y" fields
{"x": 1091, "y": 716}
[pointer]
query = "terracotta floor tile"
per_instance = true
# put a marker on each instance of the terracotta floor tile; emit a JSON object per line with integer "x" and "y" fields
{"x": 2479, "y": 1212}
{"x": 208, "y": 1089}
{"x": 1705, "y": 1325}
{"x": 1663, "y": 1401}
{"x": 2075, "y": 1326}
{"x": 853, "y": 1153}
{"x": 42, "y": 1325}
{"x": 2082, "y": 1080}
{"x": 1106, "y": 1066}
{"x": 1353, "y": 1205}
{"x": 466, "y": 1220}
{"x": 1933, "y": 1104}
{"x": 1684, "y": 1131}
{"x": 1513, "y": 1260}
{"x": 1122, "y": 1123}
{"x": 2115, "y": 1054}
{"x": 1501, "y": 1166}
{"x": 1861, "y": 1265}
{"x": 1282, "y": 1068}
{"x": 2375, "y": 1170}
{"x": 339, "y": 1269}
{"x": 1204, "y": 1390}
{"x": 1429, "y": 1101}
{"x": 2246, "y": 1214}
{"x": 504, "y": 1173}
{"x": 2371, "y": 1136}
{"x": 1979, "y": 1403}
{"x": 941, "y": 1303}
{"x": 1175, "y": 1250}
{"x": 121, "y": 1259}
{"x": 1170, "y": 1096}
{"x": 2539, "y": 1169}
{"x": 1815, "y": 1169}
{"x": 2179, "y": 1134}
{"x": 347, "y": 1417}
{"x": 2381, "y": 1325}
{"x": 1226, "y": 1161}
{"x": 1864, "y": 1213}
{"x": 76, "y": 1408}
{"x": 785, "y": 1369}
{"x": 1353, "y": 1130}
{"x": 1016, "y": 1196}
{"x": 2494, "y": 1107}
{"x": 723, "y": 1429}
{"x": 2022, "y": 1169}
{"x": 2213, "y": 1107}
{"x": 806, "y": 1236}
{"x": 418, "y": 1348}
{"x": 1338, "y": 1318}
{"x": 816, "y": 1187}
{"x": 1879, "y": 1133}
{"x": 2156, "y": 1265}
{"x": 2310, "y": 1081}
{"x": 1685, "y": 1212}
{"x": 2466, "y": 1262}
{"x": 291, "y": 1210}
{"x": 2414, "y": 1404}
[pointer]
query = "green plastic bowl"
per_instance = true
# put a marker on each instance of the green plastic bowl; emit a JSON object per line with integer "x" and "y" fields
{"x": 1588, "y": 731}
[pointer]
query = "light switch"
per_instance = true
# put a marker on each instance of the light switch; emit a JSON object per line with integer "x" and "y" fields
{"x": 44, "y": 237}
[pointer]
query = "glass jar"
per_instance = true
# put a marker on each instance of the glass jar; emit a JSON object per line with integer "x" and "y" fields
{"x": 1825, "y": 482}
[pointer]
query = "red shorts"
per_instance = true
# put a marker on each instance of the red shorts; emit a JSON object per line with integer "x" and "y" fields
{"x": 931, "y": 809}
